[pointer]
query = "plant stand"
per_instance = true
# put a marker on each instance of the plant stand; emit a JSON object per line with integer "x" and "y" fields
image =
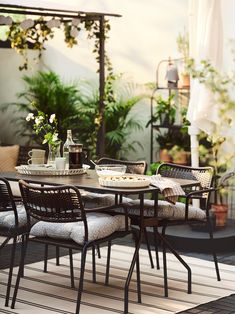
{"x": 180, "y": 91}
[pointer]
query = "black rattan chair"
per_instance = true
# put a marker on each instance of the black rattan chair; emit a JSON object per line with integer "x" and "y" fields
{"x": 205, "y": 176}
{"x": 135, "y": 167}
{"x": 60, "y": 205}
{"x": 180, "y": 213}
{"x": 12, "y": 225}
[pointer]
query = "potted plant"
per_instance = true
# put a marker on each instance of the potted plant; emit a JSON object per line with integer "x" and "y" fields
{"x": 165, "y": 111}
{"x": 182, "y": 41}
{"x": 179, "y": 155}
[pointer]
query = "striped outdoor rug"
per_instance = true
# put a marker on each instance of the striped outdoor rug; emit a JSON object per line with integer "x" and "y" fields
{"x": 51, "y": 293}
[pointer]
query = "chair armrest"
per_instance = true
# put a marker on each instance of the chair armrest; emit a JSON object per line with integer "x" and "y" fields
{"x": 200, "y": 192}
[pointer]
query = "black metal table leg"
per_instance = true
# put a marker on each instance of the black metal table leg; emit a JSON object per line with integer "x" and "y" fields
{"x": 135, "y": 260}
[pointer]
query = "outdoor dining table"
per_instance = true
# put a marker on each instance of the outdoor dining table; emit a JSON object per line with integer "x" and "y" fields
{"x": 89, "y": 182}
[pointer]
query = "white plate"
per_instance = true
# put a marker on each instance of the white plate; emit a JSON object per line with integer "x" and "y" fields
{"x": 126, "y": 181}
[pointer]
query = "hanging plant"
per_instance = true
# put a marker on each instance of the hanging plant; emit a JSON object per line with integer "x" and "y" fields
{"x": 29, "y": 32}
{"x": 37, "y": 32}
{"x": 18, "y": 39}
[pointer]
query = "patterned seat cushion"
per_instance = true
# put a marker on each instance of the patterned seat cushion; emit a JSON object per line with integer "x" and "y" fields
{"x": 92, "y": 200}
{"x": 166, "y": 210}
{"x": 99, "y": 226}
{"x": 7, "y": 218}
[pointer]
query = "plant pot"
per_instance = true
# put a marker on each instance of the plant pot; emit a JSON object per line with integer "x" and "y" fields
{"x": 182, "y": 158}
{"x": 185, "y": 80}
{"x": 221, "y": 214}
{"x": 164, "y": 155}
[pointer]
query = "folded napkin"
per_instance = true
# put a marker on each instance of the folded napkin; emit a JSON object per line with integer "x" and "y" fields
{"x": 169, "y": 188}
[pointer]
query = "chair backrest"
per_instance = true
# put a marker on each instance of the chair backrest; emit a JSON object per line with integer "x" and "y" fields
{"x": 202, "y": 174}
{"x": 53, "y": 204}
{"x": 135, "y": 167}
{"x": 6, "y": 199}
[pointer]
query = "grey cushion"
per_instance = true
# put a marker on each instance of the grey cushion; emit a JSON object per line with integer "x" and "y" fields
{"x": 7, "y": 218}
{"x": 166, "y": 210}
{"x": 99, "y": 226}
{"x": 92, "y": 200}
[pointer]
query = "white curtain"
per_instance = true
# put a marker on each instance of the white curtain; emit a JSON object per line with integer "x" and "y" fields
{"x": 206, "y": 43}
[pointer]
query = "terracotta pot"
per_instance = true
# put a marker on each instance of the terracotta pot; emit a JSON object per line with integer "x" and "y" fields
{"x": 165, "y": 156}
{"x": 221, "y": 214}
{"x": 185, "y": 80}
{"x": 181, "y": 158}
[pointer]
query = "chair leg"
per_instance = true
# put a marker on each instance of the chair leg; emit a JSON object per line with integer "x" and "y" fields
{"x": 98, "y": 250}
{"x": 93, "y": 265}
{"x": 57, "y": 256}
{"x": 213, "y": 250}
{"x": 10, "y": 271}
{"x": 24, "y": 245}
{"x": 45, "y": 258}
{"x": 82, "y": 271}
{"x": 108, "y": 262}
{"x": 164, "y": 266}
{"x": 134, "y": 259}
{"x": 155, "y": 232}
{"x": 148, "y": 247}
{"x": 71, "y": 268}
{"x": 180, "y": 259}
{"x": 138, "y": 272}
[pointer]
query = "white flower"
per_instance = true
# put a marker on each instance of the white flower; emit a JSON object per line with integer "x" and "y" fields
{"x": 52, "y": 118}
{"x": 55, "y": 137}
{"x": 38, "y": 120}
{"x": 29, "y": 117}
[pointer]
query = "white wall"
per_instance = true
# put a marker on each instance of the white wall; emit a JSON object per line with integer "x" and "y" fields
{"x": 11, "y": 83}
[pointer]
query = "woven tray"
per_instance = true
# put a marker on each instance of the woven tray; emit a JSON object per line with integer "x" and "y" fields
{"x": 43, "y": 171}
{"x": 125, "y": 181}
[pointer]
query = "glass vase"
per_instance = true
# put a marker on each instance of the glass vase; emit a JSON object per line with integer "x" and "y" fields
{"x": 53, "y": 152}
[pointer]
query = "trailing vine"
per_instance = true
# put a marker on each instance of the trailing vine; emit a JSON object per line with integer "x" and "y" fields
{"x": 36, "y": 32}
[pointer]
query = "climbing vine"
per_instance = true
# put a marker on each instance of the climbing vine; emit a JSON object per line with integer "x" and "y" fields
{"x": 34, "y": 34}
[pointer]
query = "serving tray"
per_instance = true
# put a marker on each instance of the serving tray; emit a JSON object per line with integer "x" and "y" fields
{"x": 44, "y": 171}
{"x": 126, "y": 181}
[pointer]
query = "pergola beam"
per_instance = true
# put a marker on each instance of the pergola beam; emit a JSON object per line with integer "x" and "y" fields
{"x": 50, "y": 11}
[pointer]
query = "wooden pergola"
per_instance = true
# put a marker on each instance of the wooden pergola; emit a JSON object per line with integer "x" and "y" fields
{"x": 83, "y": 16}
